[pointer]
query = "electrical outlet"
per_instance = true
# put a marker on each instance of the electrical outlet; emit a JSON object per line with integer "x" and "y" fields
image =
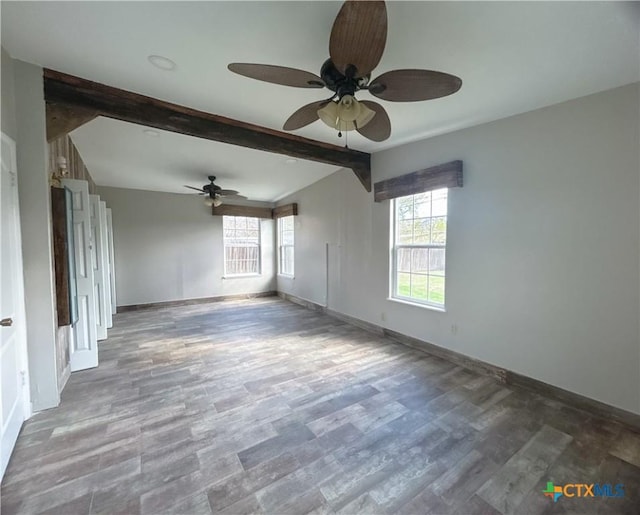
{"x": 383, "y": 316}
{"x": 454, "y": 328}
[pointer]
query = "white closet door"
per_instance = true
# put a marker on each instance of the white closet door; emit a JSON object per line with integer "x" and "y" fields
{"x": 84, "y": 346}
{"x": 97, "y": 263}
{"x": 104, "y": 232}
{"x": 14, "y": 398}
{"x": 112, "y": 263}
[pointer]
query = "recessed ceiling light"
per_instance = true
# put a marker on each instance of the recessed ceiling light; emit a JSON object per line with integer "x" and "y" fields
{"x": 291, "y": 161}
{"x": 162, "y": 62}
{"x": 152, "y": 133}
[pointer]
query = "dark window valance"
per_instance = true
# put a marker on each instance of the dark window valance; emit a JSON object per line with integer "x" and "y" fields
{"x": 286, "y": 210}
{"x": 447, "y": 175}
{"x": 255, "y": 212}
{"x": 250, "y": 211}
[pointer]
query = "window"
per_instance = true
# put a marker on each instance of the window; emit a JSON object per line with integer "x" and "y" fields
{"x": 419, "y": 247}
{"x": 241, "y": 245}
{"x": 285, "y": 245}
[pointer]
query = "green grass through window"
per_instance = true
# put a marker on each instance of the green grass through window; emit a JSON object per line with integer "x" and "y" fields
{"x": 424, "y": 288}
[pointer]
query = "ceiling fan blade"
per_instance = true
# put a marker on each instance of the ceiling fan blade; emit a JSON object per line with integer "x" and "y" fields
{"x": 414, "y": 85}
{"x": 358, "y": 36}
{"x": 278, "y": 75}
{"x": 379, "y": 128}
{"x": 304, "y": 116}
{"x": 226, "y": 193}
{"x": 192, "y": 188}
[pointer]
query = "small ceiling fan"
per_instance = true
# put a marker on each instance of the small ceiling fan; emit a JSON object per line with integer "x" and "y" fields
{"x": 357, "y": 41}
{"x": 215, "y": 193}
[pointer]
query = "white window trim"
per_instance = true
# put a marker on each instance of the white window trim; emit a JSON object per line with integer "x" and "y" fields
{"x": 240, "y": 276}
{"x": 227, "y": 275}
{"x": 394, "y": 265}
{"x": 417, "y": 304}
{"x": 280, "y": 246}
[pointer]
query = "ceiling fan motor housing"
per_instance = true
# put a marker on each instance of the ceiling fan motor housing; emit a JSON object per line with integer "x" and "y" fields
{"x": 211, "y": 188}
{"x": 341, "y": 84}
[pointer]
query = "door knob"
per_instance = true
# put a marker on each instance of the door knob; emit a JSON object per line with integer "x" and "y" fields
{"x": 6, "y": 322}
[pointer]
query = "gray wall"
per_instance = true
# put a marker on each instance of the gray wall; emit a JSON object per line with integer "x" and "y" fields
{"x": 8, "y": 106}
{"x": 169, "y": 247}
{"x": 543, "y": 259}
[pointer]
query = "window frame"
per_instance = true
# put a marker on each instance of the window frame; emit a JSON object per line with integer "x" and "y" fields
{"x": 281, "y": 246}
{"x": 226, "y": 273}
{"x": 394, "y": 279}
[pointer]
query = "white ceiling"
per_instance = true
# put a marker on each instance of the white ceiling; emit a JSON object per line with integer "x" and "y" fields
{"x": 121, "y": 154}
{"x": 512, "y": 57}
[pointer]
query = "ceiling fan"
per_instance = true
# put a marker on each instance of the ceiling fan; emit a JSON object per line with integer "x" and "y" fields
{"x": 215, "y": 193}
{"x": 356, "y": 45}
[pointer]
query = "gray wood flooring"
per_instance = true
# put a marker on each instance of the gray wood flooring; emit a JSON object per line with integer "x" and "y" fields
{"x": 265, "y": 407}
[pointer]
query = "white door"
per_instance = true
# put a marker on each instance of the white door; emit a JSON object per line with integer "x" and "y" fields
{"x": 104, "y": 247}
{"x": 97, "y": 260}
{"x": 14, "y": 398}
{"x": 112, "y": 263}
{"x": 84, "y": 348}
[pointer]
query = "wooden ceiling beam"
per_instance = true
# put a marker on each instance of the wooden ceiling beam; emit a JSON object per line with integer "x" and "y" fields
{"x": 62, "y": 120}
{"x": 66, "y": 93}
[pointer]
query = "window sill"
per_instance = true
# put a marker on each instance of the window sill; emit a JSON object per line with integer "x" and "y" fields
{"x": 418, "y": 304}
{"x": 287, "y": 276}
{"x": 240, "y": 276}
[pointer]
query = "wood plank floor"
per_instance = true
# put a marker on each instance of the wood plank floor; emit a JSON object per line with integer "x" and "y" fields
{"x": 265, "y": 407}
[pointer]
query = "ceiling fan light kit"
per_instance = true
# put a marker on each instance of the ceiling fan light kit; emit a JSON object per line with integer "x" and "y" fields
{"x": 356, "y": 45}
{"x": 346, "y": 115}
{"x": 214, "y": 201}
